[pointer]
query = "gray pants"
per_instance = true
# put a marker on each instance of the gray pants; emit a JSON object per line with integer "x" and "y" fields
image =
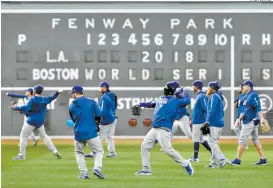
{"x": 249, "y": 129}
{"x": 213, "y": 137}
{"x": 26, "y": 131}
{"x": 163, "y": 137}
{"x": 197, "y": 135}
{"x": 32, "y": 135}
{"x": 95, "y": 145}
{"x": 183, "y": 124}
{"x": 107, "y": 132}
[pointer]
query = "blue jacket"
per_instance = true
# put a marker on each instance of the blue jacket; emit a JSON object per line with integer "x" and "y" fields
{"x": 215, "y": 110}
{"x": 114, "y": 99}
{"x": 165, "y": 111}
{"x": 199, "y": 110}
{"x": 182, "y": 111}
{"x": 251, "y": 107}
{"x": 35, "y": 109}
{"x": 240, "y": 101}
{"x": 82, "y": 112}
{"x": 106, "y": 106}
{"x": 26, "y": 99}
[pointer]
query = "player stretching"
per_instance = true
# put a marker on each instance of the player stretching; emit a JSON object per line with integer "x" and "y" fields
{"x": 26, "y": 97}
{"x": 182, "y": 116}
{"x": 239, "y": 105}
{"x": 215, "y": 122}
{"x": 199, "y": 113}
{"x": 35, "y": 111}
{"x": 165, "y": 111}
{"x": 250, "y": 122}
{"x": 82, "y": 112}
{"x": 108, "y": 104}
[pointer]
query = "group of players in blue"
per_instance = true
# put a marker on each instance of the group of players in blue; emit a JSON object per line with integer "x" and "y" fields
{"x": 208, "y": 112}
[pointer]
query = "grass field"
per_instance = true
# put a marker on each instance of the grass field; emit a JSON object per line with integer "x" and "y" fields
{"x": 42, "y": 170}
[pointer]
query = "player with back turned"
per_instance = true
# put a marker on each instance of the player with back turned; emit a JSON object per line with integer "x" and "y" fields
{"x": 164, "y": 114}
{"x": 108, "y": 105}
{"x": 250, "y": 118}
{"x": 35, "y": 111}
{"x": 214, "y": 123}
{"x": 82, "y": 112}
{"x": 26, "y": 97}
{"x": 199, "y": 113}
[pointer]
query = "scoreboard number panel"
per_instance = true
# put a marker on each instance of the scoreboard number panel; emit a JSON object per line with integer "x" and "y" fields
{"x": 136, "y": 49}
{"x": 139, "y": 51}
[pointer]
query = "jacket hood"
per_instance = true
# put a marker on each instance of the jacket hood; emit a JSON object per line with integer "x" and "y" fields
{"x": 81, "y": 101}
{"x": 221, "y": 95}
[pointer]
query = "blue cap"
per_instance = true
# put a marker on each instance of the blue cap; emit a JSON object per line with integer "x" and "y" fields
{"x": 104, "y": 84}
{"x": 76, "y": 88}
{"x": 38, "y": 89}
{"x": 215, "y": 85}
{"x": 198, "y": 84}
{"x": 248, "y": 83}
{"x": 30, "y": 90}
{"x": 174, "y": 85}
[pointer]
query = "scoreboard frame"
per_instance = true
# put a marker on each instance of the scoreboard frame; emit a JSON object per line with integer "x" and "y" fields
{"x": 232, "y": 87}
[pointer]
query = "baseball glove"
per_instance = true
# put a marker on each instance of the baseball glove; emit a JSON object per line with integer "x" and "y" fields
{"x": 97, "y": 120}
{"x": 205, "y": 129}
{"x": 12, "y": 103}
{"x": 265, "y": 126}
{"x": 136, "y": 110}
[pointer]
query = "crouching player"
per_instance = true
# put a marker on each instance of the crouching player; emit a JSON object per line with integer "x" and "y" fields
{"x": 250, "y": 123}
{"x": 165, "y": 111}
{"x": 82, "y": 112}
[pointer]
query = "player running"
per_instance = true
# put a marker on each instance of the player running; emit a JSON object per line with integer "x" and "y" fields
{"x": 199, "y": 113}
{"x": 108, "y": 105}
{"x": 250, "y": 117}
{"x": 82, "y": 112}
{"x": 26, "y": 97}
{"x": 35, "y": 111}
{"x": 165, "y": 111}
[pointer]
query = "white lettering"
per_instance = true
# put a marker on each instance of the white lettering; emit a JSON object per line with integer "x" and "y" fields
{"x": 191, "y": 23}
{"x": 89, "y": 74}
{"x": 61, "y": 57}
{"x": 127, "y": 23}
{"x": 102, "y": 74}
{"x": 189, "y": 74}
{"x": 145, "y": 74}
{"x": 209, "y": 22}
{"x": 221, "y": 39}
{"x": 89, "y": 23}
{"x": 115, "y": 73}
{"x": 144, "y": 22}
{"x": 220, "y": 74}
{"x": 176, "y": 75}
{"x": 71, "y": 23}
{"x": 88, "y": 38}
{"x": 131, "y": 77}
{"x": 227, "y": 23}
{"x": 55, "y": 21}
{"x": 109, "y": 23}
{"x": 266, "y": 39}
{"x": 246, "y": 74}
{"x": 246, "y": 39}
{"x": 174, "y": 22}
{"x": 202, "y": 74}
{"x": 55, "y": 74}
{"x": 48, "y": 60}
{"x": 266, "y": 74}
{"x": 21, "y": 38}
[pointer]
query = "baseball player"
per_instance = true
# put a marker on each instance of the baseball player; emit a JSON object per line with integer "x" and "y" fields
{"x": 82, "y": 112}
{"x": 239, "y": 105}
{"x": 165, "y": 111}
{"x": 215, "y": 122}
{"x": 250, "y": 118}
{"x": 26, "y": 97}
{"x": 35, "y": 111}
{"x": 108, "y": 105}
{"x": 182, "y": 117}
{"x": 199, "y": 113}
